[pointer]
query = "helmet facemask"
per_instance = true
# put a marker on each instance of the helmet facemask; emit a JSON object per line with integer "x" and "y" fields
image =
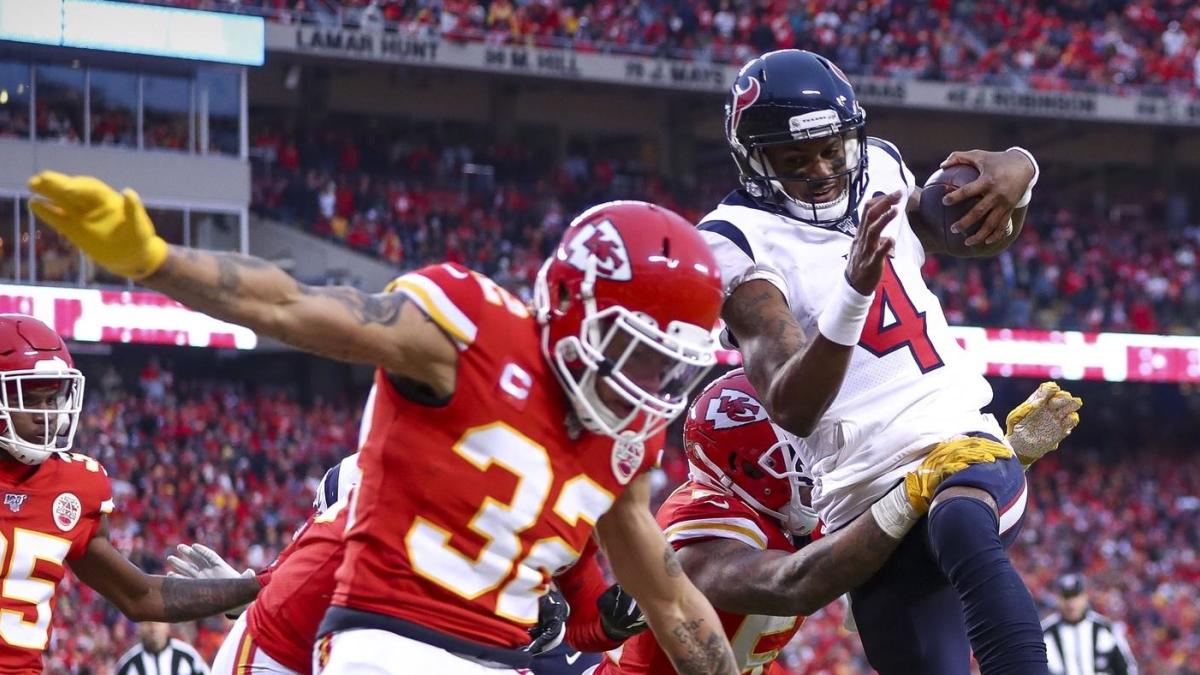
{"x": 790, "y": 187}
{"x": 626, "y": 377}
{"x": 783, "y": 462}
{"x": 22, "y": 392}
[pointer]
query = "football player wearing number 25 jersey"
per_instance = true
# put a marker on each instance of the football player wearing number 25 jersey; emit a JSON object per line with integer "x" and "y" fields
{"x": 499, "y": 439}
{"x": 821, "y": 253}
{"x": 56, "y": 506}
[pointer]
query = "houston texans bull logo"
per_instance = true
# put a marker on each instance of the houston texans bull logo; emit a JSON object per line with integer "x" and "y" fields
{"x": 734, "y": 408}
{"x": 601, "y": 242}
{"x": 743, "y": 98}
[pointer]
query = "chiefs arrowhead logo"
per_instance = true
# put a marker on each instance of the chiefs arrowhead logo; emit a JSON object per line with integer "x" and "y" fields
{"x": 603, "y": 242}
{"x": 733, "y": 408}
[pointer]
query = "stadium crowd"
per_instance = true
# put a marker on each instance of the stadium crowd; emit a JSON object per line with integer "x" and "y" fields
{"x": 235, "y": 466}
{"x": 1099, "y": 45}
{"x": 1088, "y": 259}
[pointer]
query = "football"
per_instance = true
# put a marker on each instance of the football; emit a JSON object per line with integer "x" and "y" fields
{"x": 941, "y": 217}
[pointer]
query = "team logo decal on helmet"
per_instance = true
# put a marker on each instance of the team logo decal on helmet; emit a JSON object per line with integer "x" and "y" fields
{"x": 733, "y": 408}
{"x": 603, "y": 242}
{"x": 744, "y": 96}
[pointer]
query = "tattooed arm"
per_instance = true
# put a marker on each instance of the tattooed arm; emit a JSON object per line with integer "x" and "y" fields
{"x": 339, "y": 321}
{"x": 684, "y": 622}
{"x": 150, "y": 597}
{"x": 798, "y": 377}
{"x": 736, "y": 577}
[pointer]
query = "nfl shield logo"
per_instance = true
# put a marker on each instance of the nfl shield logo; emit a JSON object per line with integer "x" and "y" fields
{"x": 14, "y": 501}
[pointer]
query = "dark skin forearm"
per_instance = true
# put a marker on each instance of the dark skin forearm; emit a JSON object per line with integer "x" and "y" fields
{"x": 151, "y": 597}
{"x": 741, "y": 579}
{"x": 800, "y": 377}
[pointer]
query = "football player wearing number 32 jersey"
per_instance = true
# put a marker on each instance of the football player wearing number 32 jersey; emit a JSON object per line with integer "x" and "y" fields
{"x": 56, "y": 506}
{"x": 821, "y": 254}
{"x": 499, "y": 439}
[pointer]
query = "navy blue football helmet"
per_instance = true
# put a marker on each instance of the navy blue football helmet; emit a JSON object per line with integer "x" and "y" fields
{"x": 789, "y": 96}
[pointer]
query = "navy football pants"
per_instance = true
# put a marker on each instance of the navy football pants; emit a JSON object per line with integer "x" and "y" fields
{"x": 949, "y": 586}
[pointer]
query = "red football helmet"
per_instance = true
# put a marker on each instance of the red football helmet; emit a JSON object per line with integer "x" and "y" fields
{"x": 33, "y": 357}
{"x": 731, "y": 444}
{"x": 627, "y": 305}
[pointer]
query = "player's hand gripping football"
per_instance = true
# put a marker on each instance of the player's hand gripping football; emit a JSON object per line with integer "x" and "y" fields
{"x": 1003, "y": 179}
{"x": 110, "y": 227}
{"x": 869, "y": 250}
{"x": 1038, "y": 425}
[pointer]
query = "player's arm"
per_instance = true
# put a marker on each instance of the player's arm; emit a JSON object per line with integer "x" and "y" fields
{"x": 150, "y": 597}
{"x": 737, "y": 577}
{"x": 799, "y": 377}
{"x": 684, "y": 622}
{"x": 1005, "y": 185}
{"x": 340, "y": 322}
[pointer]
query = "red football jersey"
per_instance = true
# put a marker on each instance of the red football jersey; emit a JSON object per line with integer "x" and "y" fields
{"x": 50, "y": 513}
{"x": 466, "y": 509}
{"x": 283, "y": 619}
{"x": 693, "y": 514}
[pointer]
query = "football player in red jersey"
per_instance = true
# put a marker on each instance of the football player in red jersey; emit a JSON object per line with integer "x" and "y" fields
{"x": 741, "y": 524}
{"x": 275, "y": 635}
{"x": 500, "y": 438}
{"x": 56, "y": 506}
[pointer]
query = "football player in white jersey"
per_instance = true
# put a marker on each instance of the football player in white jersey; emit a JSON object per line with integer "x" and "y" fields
{"x": 850, "y": 351}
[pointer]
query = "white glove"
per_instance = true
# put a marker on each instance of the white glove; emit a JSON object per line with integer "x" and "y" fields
{"x": 201, "y": 562}
{"x": 1038, "y": 425}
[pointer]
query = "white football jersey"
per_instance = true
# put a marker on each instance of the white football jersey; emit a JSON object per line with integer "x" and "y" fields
{"x": 909, "y": 384}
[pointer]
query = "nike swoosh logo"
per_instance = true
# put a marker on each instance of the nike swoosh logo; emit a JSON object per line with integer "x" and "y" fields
{"x": 722, "y": 504}
{"x": 572, "y": 658}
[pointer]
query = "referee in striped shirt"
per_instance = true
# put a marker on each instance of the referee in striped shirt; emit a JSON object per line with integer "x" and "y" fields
{"x": 160, "y": 654}
{"x": 1082, "y": 642}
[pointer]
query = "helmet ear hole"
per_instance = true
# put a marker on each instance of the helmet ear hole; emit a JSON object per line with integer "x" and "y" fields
{"x": 666, "y": 249}
{"x": 564, "y": 297}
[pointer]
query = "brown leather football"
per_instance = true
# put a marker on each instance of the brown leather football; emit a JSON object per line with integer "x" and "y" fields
{"x": 941, "y": 217}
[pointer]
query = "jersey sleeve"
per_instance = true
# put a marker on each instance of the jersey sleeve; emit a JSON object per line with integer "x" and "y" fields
{"x": 888, "y": 167}
{"x": 739, "y": 259}
{"x": 452, "y": 296}
{"x": 95, "y": 496}
{"x": 703, "y": 515}
{"x": 582, "y": 585}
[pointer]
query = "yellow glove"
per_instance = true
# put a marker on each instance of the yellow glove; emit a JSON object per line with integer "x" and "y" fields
{"x": 945, "y": 460}
{"x": 897, "y": 511}
{"x": 111, "y": 228}
{"x": 1038, "y": 425}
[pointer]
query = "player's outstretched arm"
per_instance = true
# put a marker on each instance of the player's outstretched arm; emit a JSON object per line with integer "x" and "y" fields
{"x": 644, "y": 563}
{"x": 739, "y": 578}
{"x": 339, "y": 322}
{"x": 150, "y": 597}
{"x": 798, "y": 377}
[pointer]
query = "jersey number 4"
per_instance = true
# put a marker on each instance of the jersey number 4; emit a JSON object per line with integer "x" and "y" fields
{"x": 905, "y": 327}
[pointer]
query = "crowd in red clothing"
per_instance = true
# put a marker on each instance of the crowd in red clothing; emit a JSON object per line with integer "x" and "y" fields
{"x": 1088, "y": 258}
{"x": 236, "y": 467}
{"x": 1107, "y": 45}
